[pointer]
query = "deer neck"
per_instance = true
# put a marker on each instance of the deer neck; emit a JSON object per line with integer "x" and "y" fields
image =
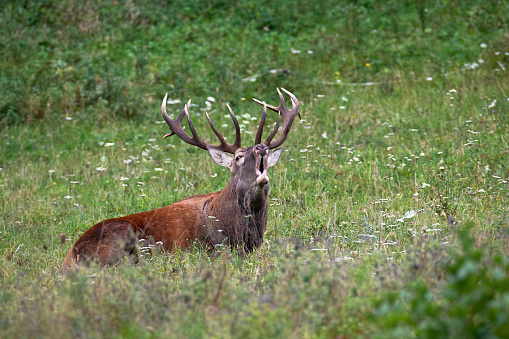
{"x": 251, "y": 198}
{"x": 241, "y": 212}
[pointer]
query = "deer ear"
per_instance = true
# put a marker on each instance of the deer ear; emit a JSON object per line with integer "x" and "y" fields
{"x": 274, "y": 157}
{"x": 220, "y": 157}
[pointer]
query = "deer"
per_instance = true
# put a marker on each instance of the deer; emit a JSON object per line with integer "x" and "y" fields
{"x": 236, "y": 216}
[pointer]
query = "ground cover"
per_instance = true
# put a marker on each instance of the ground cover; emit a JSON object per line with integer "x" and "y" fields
{"x": 388, "y": 211}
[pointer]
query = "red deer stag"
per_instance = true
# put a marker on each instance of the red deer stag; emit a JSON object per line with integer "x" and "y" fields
{"x": 235, "y": 216}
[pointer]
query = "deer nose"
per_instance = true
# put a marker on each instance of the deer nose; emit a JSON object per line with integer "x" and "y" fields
{"x": 261, "y": 149}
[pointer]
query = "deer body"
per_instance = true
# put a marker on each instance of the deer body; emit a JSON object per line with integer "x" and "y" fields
{"x": 236, "y": 216}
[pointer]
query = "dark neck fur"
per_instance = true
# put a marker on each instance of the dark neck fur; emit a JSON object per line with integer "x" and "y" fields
{"x": 242, "y": 216}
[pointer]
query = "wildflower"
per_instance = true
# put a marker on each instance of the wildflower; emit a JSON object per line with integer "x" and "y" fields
{"x": 294, "y": 51}
{"x": 170, "y": 101}
{"x": 410, "y": 214}
{"x": 68, "y": 197}
{"x": 483, "y": 45}
{"x": 367, "y": 64}
{"x": 324, "y": 135}
{"x": 429, "y": 79}
{"x": 101, "y": 169}
{"x": 211, "y": 99}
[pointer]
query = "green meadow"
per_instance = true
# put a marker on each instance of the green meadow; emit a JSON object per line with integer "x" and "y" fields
{"x": 388, "y": 211}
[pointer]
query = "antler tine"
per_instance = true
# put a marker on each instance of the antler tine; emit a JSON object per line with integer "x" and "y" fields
{"x": 176, "y": 126}
{"x": 259, "y": 133}
{"x": 199, "y": 142}
{"x": 288, "y": 116}
{"x": 177, "y": 129}
{"x": 237, "y": 129}
{"x": 274, "y": 108}
{"x": 224, "y": 145}
{"x": 295, "y": 102}
{"x": 274, "y": 131}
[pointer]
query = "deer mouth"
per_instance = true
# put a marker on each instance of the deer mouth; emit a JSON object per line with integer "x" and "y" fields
{"x": 261, "y": 170}
{"x": 261, "y": 165}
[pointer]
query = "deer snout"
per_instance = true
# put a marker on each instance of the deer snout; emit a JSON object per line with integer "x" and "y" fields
{"x": 261, "y": 150}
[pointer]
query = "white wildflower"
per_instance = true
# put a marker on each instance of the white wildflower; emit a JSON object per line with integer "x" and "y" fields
{"x": 173, "y": 101}
{"x": 409, "y": 214}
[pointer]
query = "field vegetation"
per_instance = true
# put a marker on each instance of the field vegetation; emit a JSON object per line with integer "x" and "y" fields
{"x": 389, "y": 207}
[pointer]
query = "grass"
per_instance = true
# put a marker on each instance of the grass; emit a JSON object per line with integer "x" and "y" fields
{"x": 388, "y": 211}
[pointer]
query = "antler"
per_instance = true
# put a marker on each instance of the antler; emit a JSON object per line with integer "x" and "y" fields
{"x": 176, "y": 128}
{"x": 288, "y": 116}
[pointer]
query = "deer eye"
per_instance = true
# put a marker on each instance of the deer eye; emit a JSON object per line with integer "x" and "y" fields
{"x": 239, "y": 157}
